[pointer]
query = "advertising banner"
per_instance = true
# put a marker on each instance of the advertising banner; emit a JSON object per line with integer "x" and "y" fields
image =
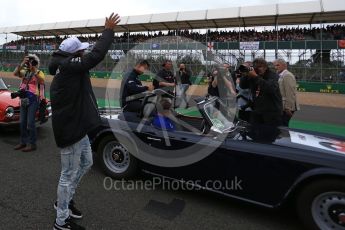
{"x": 249, "y": 45}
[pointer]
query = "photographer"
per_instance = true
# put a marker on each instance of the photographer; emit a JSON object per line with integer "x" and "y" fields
{"x": 221, "y": 84}
{"x": 165, "y": 78}
{"x": 31, "y": 90}
{"x": 183, "y": 83}
{"x": 212, "y": 89}
{"x": 267, "y": 100}
{"x": 244, "y": 96}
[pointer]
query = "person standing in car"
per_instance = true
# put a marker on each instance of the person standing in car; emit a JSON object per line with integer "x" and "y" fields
{"x": 74, "y": 114}
{"x": 267, "y": 106}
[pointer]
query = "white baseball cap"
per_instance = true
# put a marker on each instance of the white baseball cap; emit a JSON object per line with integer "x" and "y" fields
{"x": 72, "y": 45}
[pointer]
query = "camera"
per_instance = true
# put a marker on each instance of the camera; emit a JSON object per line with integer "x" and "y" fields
{"x": 245, "y": 69}
{"x": 30, "y": 62}
{"x": 20, "y": 93}
{"x": 27, "y": 64}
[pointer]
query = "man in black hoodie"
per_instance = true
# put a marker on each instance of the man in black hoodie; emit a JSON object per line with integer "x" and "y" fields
{"x": 267, "y": 100}
{"x": 75, "y": 113}
{"x": 267, "y": 106}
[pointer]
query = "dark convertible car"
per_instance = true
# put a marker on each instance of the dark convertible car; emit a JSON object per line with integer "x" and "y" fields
{"x": 274, "y": 165}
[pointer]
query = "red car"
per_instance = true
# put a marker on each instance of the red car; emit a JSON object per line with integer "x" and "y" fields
{"x": 10, "y": 108}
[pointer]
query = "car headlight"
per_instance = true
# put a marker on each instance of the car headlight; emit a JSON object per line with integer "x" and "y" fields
{"x": 9, "y": 112}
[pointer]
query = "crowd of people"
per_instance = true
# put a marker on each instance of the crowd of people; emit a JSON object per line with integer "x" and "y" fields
{"x": 264, "y": 96}
{"x": 330, "y": 32}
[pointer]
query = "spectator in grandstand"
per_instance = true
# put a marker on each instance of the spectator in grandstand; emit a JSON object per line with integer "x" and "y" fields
{"x": 288, "y": 90}
{"x": 131, "y": 87}
{"x": 165, "y": 78}
{"x": 335, "y": 32}
{"x": 31, "y": 91}
{"x": 267, "y": 100}
{"x": 183, "y": 83}
{"x": 75, "y": 113}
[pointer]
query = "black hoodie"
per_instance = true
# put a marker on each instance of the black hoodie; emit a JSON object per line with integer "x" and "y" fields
{"x": 74, "y": 106}
{"x": 267, "y": 99}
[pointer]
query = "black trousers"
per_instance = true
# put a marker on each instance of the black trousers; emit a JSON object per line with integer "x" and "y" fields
{"x": 286, "y": 118}
{"x": 244, "y": 115}
{"x": 271, "y": 119}
{"x": 264, "y": 127}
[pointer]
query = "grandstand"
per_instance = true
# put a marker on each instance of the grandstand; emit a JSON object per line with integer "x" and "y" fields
{"x": 309, "y": 35}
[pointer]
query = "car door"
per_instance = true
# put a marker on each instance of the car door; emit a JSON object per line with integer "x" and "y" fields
{"x": 167, "y": 140}
{"x": 266, "y": 170}
{"x": 200, "y": 151}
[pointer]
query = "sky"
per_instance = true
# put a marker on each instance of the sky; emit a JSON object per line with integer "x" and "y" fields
{"x": 19, "y": 12}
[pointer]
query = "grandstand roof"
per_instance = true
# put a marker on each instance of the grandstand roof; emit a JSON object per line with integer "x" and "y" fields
{"x": 325, "y": 11}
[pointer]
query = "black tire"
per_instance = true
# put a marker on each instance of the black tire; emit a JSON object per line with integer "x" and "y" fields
{"x": 115, "y": 160}
{"x": 320, "y": 204}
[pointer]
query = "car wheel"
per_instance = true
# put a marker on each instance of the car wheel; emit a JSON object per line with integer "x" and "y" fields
{"x": 115, "y": 159}
{"x": 321, "y": 205}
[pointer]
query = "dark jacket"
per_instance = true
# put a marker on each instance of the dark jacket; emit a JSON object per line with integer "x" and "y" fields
{"x": 163, "y": 76}
{"x": 267, "y": 99}
{"x": 74, "y": 106}
{"x": 183, "y": 77}
{"x": 212, "y": 91}
{"x": 131, "y": 85}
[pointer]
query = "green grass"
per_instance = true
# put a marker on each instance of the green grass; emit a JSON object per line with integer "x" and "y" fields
{"x": 319, "y": 127}
{"x": 296, "y": 124}
{"x": 107, "y": 103}
{"x": 192, "y": 111}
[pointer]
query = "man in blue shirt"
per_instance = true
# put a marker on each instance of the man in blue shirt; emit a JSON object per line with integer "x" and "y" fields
{"x": 163, "y": 120}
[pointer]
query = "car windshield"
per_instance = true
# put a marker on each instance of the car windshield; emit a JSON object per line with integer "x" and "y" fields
{"x": 2, "y": 85}
{"x": 220, "y": 115}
